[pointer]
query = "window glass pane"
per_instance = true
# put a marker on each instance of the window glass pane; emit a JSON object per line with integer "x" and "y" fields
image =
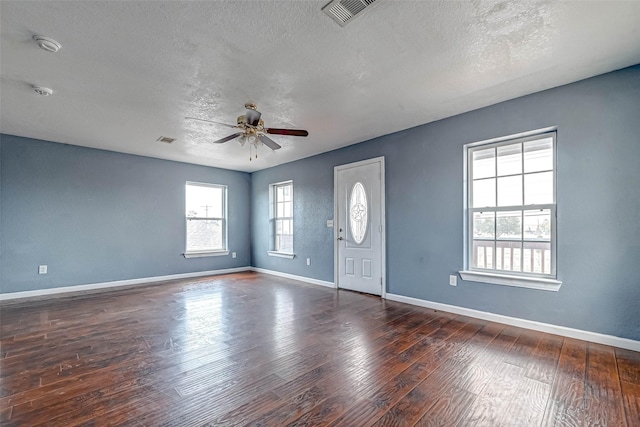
{"x": 482, "y": 256}
{"x": 484, "y": 163}
{"x": 508, "y": 256}
{"x": 538, "y": 188}
{"x": 279, "y": 210}
{"x": 510, "y": 191}
{"x": 509, "y": 225}
{"x": 484, "y": 193}
{"x": 510, "y": 159}
{"x": 537, "y": 257}
{"x": 538, "y": 155}
{"x": 484, "y": 224}
{"x": 278, "y": 226}
{"x": 284, "y": 243}
{"x": 537, "y": 225}
{"x": 286, "y": 192}
{"x": 203, "y": 235}
{"x": 279, "y": 193}
{"x": 287, "y": 209}
{"x": 203, "y": 201}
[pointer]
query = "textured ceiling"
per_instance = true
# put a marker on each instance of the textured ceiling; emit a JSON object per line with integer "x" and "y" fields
{"x": 129, "y": 72}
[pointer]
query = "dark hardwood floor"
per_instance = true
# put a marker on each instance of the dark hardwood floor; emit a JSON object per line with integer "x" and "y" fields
{"x": 252, "y": 349}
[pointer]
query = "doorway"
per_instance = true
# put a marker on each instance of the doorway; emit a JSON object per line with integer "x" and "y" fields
{"x": 359, "y": 207}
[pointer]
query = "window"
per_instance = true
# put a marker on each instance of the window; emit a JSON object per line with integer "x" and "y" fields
{"x": 281, "y": 195}
{"x": 206, "y": 213}
{"x": 511, "y": 212}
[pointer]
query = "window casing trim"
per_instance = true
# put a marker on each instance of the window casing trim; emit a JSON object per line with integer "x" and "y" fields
{"x": 273, "y": 251}
{"x": 224, "y": 250}
{"x": 509, "y": 278}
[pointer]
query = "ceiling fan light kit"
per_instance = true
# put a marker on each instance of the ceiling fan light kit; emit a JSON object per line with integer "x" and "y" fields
{"x": 253, "y": 130}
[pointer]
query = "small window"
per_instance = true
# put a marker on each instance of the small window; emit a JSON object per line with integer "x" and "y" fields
{"x": 511, "y": 209}
{"x": 206, "y": 213}
{"x": 281, "y": 195}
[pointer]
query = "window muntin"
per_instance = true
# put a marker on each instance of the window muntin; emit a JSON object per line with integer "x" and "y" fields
{"x": 282, "y": 196}
{"x": 205, "y": 214}
{"x": 511, "y": 207}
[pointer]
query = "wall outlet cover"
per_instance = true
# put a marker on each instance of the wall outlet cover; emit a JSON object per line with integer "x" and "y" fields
{"x": 453, "y": 280}
{"x": 42, "y": 269}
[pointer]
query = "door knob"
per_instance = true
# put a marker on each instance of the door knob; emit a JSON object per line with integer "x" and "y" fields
{"x": 340, "y": 238}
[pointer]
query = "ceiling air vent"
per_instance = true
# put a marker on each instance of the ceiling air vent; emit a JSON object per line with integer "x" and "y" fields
{"x": 165, "y": 139}
{"x": 343, "y": 11}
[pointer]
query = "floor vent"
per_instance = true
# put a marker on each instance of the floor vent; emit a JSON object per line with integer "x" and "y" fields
{"x": 344, "y": 11}
{"x": 165, "y": 139}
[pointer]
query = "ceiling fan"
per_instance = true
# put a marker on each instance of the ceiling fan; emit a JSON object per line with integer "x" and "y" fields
{"x": 252, "y": 130}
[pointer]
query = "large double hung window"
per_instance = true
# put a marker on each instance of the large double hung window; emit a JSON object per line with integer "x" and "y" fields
{"x": 511, "y": 210}
{"x": 206, "y": 219}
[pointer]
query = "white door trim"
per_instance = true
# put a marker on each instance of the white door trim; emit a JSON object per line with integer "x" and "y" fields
{"x": 383, "y": 219}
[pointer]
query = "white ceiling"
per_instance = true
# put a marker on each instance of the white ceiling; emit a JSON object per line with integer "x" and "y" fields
{"x": 129, "y": 72}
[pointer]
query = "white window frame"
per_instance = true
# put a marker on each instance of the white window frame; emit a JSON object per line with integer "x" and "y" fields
{"x": 216, "y": 252}
{"x": 273, "y": 203}
{"x": 548, "y": 282}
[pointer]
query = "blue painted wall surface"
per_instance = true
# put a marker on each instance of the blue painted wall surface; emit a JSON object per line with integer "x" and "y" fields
{"x": 598, "y": 178}
{"x": 97, "y": 216}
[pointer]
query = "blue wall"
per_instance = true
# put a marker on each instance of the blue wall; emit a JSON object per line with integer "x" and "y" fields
{"x": 96, "y": 216}
{"x": 598, "y": 192}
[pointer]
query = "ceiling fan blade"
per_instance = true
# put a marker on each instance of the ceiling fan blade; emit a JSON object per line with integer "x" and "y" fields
{"x": 211, "y": 121}
{"x": 228, "y": 138}
{"x": 253, "y": 117}
{"x": 290, "y": 132}
{"x": 269, "y": 142}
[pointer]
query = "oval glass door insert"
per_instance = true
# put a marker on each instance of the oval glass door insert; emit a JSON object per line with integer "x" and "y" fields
{"x": 358, "y": 212}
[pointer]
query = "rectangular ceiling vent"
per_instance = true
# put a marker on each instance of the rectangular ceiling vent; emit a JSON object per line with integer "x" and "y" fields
{"x": 165, "y": 139}
{"x": 344, "y": 11}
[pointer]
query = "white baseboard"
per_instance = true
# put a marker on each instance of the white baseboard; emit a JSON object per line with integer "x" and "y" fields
{"x": 523, "y": 323}
{"x": 294, "y": 277}
{"x": 116, "y": 284}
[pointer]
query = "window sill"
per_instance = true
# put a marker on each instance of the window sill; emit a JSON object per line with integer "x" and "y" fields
{"x": 205, "y": 254}
{"x": 281, "y": 254}
{"x": 507, "y": 280}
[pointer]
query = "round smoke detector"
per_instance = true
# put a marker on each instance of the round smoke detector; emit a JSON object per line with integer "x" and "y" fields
{"x": 44, "y": 91}
{"x": 47, "y": 43}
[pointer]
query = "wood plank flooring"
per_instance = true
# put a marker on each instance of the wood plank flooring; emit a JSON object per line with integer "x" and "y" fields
{"x": 253, "y": 349}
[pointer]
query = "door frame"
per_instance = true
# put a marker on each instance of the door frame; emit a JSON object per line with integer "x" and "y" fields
{"x": 383, "y": 220}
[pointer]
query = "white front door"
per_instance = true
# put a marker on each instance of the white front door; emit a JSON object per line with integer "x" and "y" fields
{"x": 359, "y": 226}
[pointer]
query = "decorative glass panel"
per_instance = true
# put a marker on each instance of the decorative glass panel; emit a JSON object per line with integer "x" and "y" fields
{"x": 358, "y": 211}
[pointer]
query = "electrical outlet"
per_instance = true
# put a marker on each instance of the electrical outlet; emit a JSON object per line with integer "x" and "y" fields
{"x": 453, "y": 280}
{"x": 42, "y": 269}
{"x": 233, "y": 254}
{"x": 308, "y": 261}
